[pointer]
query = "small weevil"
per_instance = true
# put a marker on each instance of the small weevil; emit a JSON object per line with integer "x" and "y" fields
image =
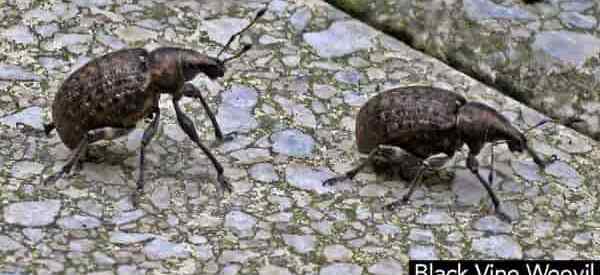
{"x": 105, "y": 98}
{"x": 431, "y": 124}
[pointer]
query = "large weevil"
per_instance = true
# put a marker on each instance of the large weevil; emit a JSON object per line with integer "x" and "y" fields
{"x": 106, "y": 97}
{"x": 431, "y": 124}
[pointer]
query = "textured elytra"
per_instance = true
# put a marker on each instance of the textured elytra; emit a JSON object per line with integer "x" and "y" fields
{"x": 421, "y": 120}
{"x": 110, "y": 91}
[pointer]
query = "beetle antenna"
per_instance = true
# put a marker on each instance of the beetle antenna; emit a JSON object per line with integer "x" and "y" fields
{"x": 544, "y": 121}
{"x": 260, "y": 13}
{"x": 245, "y": 49}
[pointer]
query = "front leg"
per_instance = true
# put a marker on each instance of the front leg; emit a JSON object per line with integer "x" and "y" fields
{"x": 188, "y": 127}
{"x": 189, "y": 90}
{"x": 473, "y": 166}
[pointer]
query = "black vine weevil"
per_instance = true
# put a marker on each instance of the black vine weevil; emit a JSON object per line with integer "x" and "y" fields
{"x": 106, "y": 97}
{"x": 426, "y": 122}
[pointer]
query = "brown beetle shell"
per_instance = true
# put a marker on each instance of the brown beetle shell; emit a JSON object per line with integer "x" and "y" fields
{"x": 110, "y": 91}
{"x": 420, "y": 120}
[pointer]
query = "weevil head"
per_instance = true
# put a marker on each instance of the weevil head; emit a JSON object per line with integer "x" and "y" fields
{"x": 479, "y": 123}
{"x": 192, "y": 63}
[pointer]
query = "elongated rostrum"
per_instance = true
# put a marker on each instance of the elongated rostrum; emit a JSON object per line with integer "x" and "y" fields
{"x": 105, "y": 98}
{"x": 431, "y": 124}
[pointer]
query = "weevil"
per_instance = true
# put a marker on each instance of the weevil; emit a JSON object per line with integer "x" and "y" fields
{"x": 431, "y": 124}
{"x": 105, "y": 98}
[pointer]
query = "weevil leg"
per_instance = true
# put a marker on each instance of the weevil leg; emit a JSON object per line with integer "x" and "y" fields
{"x": 188, "y": 127}
{"x": 189, "y": 90}
{"x": 432, "y": 162}
{"x": 352, "y": 172}
{"x": 473, "y": 166}
{"x": 90, "y": 137}
{"x": 149, "y": 134}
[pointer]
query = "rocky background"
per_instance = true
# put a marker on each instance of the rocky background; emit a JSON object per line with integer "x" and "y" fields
{"x": 293, "y": 98}
{"x": 545, "y": 55}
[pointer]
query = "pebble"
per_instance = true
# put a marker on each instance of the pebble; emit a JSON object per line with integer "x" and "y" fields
{"x": 32, "y": 213}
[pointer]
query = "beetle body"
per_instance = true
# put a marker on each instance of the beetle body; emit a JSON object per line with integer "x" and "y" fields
{"x": 106, "y": 97}
{"x": 425, "y": 122}
{"x": 122, "y": 87}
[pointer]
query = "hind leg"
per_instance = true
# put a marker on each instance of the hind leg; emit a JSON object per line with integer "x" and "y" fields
{"x": 91, "y": 136}
{"x": 430, "y": 163}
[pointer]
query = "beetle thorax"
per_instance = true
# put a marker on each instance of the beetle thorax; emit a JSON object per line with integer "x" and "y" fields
{"x": 479, "y": 123}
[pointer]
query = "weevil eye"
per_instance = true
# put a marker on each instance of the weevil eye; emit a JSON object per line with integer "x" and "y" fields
{"x": 515, "y": 145}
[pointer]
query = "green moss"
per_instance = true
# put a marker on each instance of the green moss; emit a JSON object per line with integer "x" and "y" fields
{"x": 355, "y": 7}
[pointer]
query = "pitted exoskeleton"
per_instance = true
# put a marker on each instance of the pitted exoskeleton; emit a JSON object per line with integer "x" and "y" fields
{"x": 431, "y": 124}
{"x": 105, "y": 98}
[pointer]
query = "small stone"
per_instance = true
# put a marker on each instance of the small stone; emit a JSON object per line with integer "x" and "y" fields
{"x": 33, "y": 234}
{"x": 436, "y": 217}
{"x": 252, "y": 155}
{"x": 307, "y": 178}
{"x": 273, "y": 270}
{"x": 26, "y": 169}
{"x": 373, "y": 190}
{"x": 526, "y": 169}
{"x": 34, "y": 213}
{"x": 341, "y": 38}
{"x": 566, "y": 173}
{"x": 31, "y": 116}
{"x": 421, "y": 235}
{"x": 467, "y": 188}
{"x": 481, "y": 10}
{"x": 102, "y": 259}
{"x": 301, "y": 243}
{"x": 500, "y": 246}
{"x": 351, "y": 76}
{"x": 341, "y": 268}
{"x": 129, "y": 270}
{"x": 242, "y": 224}
{"x": 237, "y": 256}
{"x": 235, "y": 113}
{"x": 7, "y": 244}
{"x": 91, "y": 207}
{"x": 264, "y": 172}
{"x": 355, "y": 99}
{"x": 324, "y": 91}
{"x": 422, "y": 252}
{"x": 82, "y": 245}
{"x": 127, "y": 217}
{"x": 160, "y": 249}
{"x": 577, "y": 20}
{"x": 386, "y": 267}
{"x": 135, "y": 33}
{"x": 161, "y": 197}
{"x": 78, "y": 222}
{"x": 337, "y": 253}
{"x": 204, "y": 252}
{"x": 233, "y": 269}
{"x": 569, "y": 47}
{"x": 300, "y": 18}
{"x": 19, "y": 34}
{"x": 493, "y": 225}
{"x": 220, "y": 30}
{"x": 111, "y": 41}
{"x": 564, "y": 254}
{"x": 119, "y": 237}
{"x": 293, "y": 143}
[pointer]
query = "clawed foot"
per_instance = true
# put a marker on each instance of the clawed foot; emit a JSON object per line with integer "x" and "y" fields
{"x": 54, "y": 177}
{"x": 224, "y": 138}
{"x": 223, "y": 185}
{"x": 503, "y": 215}
{"x": 333, "y": 181}
{"x": 136, "y": 197}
